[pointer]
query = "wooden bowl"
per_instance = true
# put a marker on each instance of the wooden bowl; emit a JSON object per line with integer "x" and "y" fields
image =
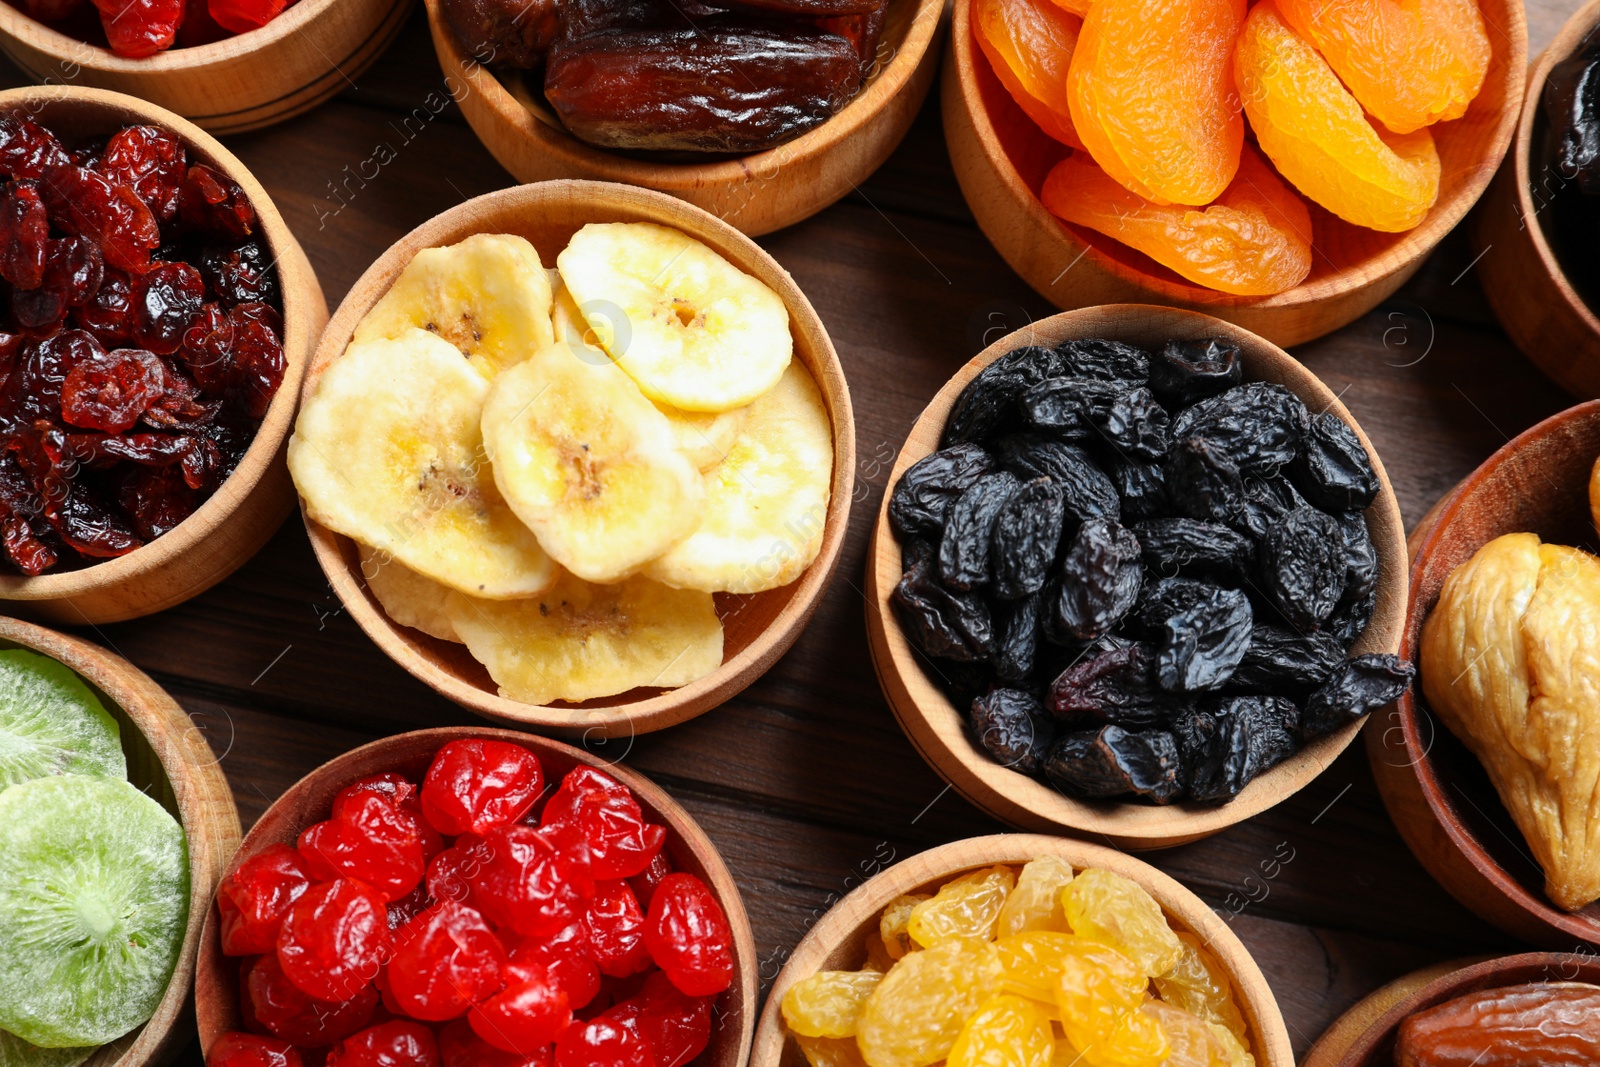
{"x": 1365, "y": 1035}
{"x": 216, "y": 990}
{"x": 1521, "y": 276}
{"x": 169, "y": 759}
{"x": 1001, "y": 159}
{"x": 757, "y": 629}
{"x": 937, "y": 729}
{"x": 232, "y": 526}
{"x": 1437, "y": 793}
{"x": 756, "y": 193}
{"x": 838, "y": 940}
{"x": 301, "y": 58}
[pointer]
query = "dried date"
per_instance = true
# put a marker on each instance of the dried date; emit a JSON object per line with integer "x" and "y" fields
{"x": 1100, "y": 578}
{"x": 1012, "y": 727}
{"x": 512, "y": 33}
{"x": 969, "y": 531}
{"x": 1332, "y": 469}
{"x": 1113, "y": 762}
{"x": 1184, "y": 372}
{"x": 1357, "y": 686}
{"x": 1552, "y": 1024}
{"x": 1027, "y": 536}
{"x": 929, "y": 486}
{"x": 1301, "y": 567}
{"x": 1201, "y": 645}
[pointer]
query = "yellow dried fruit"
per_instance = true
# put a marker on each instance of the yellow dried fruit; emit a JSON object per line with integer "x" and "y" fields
{"x": 829, "y": 1002}
{"x": 1233, "y": 1045}
{"x": 965, "y": 907}
{"x": 913, "y": 1017}
{"x": 1107, "y": 907}
{"x": 1193, "y": 1043}
{"x": 894, "y": 923}
{"x": 1035, "y": 904}
{"x": 1099, "y": 992}
{"x": 831, "y": 1051}
{"x": 1031, "y": 961}
{"x": 1198, "y": 984}
{"x": 1005, "y": 1031}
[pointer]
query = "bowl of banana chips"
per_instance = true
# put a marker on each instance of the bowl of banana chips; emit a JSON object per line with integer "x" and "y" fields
{"x": 578, "y": 456}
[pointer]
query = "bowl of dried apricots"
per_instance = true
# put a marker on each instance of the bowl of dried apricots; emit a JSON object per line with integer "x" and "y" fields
{"x": 1285, "y": 166}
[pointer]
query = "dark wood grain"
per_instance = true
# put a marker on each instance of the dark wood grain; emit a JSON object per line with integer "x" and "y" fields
{"x": 804, "y": 781}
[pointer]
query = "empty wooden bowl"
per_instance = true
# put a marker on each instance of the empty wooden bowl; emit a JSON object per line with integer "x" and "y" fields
{"x": 1001, "y": 159}
{"x": 232, "y": 526}
{"x": 838, "y": 940}
{"x": 169, "y": 759}
{"x": 216, "y": 990}
{"x": 1436, "y": 791}
{"x": 756, "y": 193}
{"x": 1365, "y": 1035}
{"x": 938, "y": 730}
{"x": 293, "y": 63}
{"x": 757, "y": 629}
{"x": 1524, "y": 281}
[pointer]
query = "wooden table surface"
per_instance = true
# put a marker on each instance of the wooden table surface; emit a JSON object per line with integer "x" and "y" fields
{"x": 805, "y": 781}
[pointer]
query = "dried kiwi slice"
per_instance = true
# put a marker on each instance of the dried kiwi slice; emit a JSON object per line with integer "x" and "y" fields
{"x": 51, "y": 723}
{"x": 15, "y": 1052}
{"x": 94, "y": 897}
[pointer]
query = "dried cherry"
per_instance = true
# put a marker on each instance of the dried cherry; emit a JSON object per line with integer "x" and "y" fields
{"x": 24, "y": 234}
{"x": 397, "y": 1043}
{"x": 151, "y": 162}
{"x": 211, "y": 205}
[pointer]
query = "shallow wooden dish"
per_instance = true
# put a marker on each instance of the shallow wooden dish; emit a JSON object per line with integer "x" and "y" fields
{"x": 232, "y": 526}
{"x": 1364, "y": 1036}
{"x": 308, "y": 801}
{"x": 757, "y": 629}
{"x": 295, "y": 62}
{"x": 937, "y": 729}
{"x": 169, "y": 759}
{"x": 757, "y": 193}
{"x": 838, "y": 940}
{"x": 1439, "y": 796}
{"x": 1524, "y": 281}
{"x": 1001, "y": 159}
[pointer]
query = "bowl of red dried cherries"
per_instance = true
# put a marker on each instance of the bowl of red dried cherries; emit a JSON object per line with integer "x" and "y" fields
{"x": 156, "y": 318}
{"x": 475, "y": 898}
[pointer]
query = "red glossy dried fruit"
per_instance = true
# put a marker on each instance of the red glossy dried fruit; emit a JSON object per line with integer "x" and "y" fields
{"x": 602, "y": 1042}
{"x": 604, "y": 815}
{"x": 459, "y": 1046}
{"x": 644, "y": 883}
{"x": 567, "y": 957}
{"x": 334, "y": 938}
{"x": 404, "y": 793}
{"x": 369, "y": 839}
{"x": 82, "y": 202}
{"x": 235, "y": 1049}
{"x": 689, "y": 937}
{"x": 529, "y": 883}
{"x": 474, "y": 786}
{"x": 400, "y": 1043}
{"x": 677, "y": 1027}
{"x": 445, "y": 960}
{"x": 242, "y": 16}
{"x": 253, "y": 900}
{"x": 211, "y": 204}
{"x": 527, "y": 1015}
{"x": 408, "y": 907}
{"x": 198, "y": 27}
{"x": 151, "y": 162}
{"x": 167, "y": 299}
{"x": 111, "y": 393}
{"x": 72, "y": 272}
{"x": 24, "y": 234}
{"x": 258, "y": 357}
{"x": 616, "y": 930}
{"x": 285, "y": 1011}
{"x": 27, "y": 149}
{"x": 239, "y": 275}
{"x": 140, "y": 28}
{"x": 156, "y": 499}
{"x": 451, "y": 873}
{"x": 109, "y": 313}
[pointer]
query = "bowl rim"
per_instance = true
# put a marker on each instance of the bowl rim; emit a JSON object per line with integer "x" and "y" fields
{"x": 1131, "y": 825}
{"x": 1407, "y": 252}
{"x": 303, "y": 313}
{"x": 670, "y": 706}
{"x": 1180, "y": 905}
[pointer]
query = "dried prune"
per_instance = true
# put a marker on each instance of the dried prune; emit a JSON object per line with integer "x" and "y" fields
{"x": 1112, "y": 762}
{"x": 1136, "y": 423}
{"x": 1259, "y": 426}
{"x": 1281, "y": 660}
{"x": 1358, "y": 685}
{"x": 151, "y": 162}
{"x": 988, "y": 403}
{"x": 1301, "y": 567}
{"x": 1100, "y": 578}
{"x": 1184, "y": 372}
{"x": 943, "y": 624}
{"x": 512, "y": 33}
{"x": 1027, "y": 536}
{"x": 1174, "y": 547}
{"x": 1012, "y": 727}
{"x": 1267, "y": 500}
{"x": 1226, "y": 744}
{"x": 918, "y": 552}
{"x": 1361, "y": 575}
{"x": 1162, "y": 598}
{"x": 1332, "y": 469}
{"x": 166, "y": 300}
{"x": 241, "y": 275}
{"x": 1202, "y": 645}
{"x": 24, "y": 234}
{"x": 1115, "y": 684}
{"x": 1111, "y": 361}
{"x": 27, "y": 149}
{"x": 84, "y": 203}
{"x": 1572, "y": 110}
{"x": 211, "y": 205}
{"x": 110, "y": 393}
{"x": 969, "y": 531}
{"x": 929, "y": 486}
{"x": 1016, "y": 642}
{"x": 1086, "y": 491}
{"x": 1141, "y": 485}
{"x": 1202, "y": 482}
{"x": 1350, "y": 620}
{"x": 1069, "y": 408}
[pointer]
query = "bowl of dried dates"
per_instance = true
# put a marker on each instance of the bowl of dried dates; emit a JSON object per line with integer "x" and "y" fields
{"x": 1490, "y": 765}
{"x": 1115, "y": 139}
{"x": 159, "y": 315}
{"x": 1138, "y": 573}
{"x": 466, "y": 898}
{"x": 763, "y": 112}
{"x": 1021, "y": 948}
{"x": 226, "y": 65}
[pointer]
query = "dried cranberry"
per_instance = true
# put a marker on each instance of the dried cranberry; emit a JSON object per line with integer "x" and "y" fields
{"x": 212, "y": 205}
{"x": 689, "y": 937}
{"x": 239, "y": 275}
{"x": 253, "y": 900}
{"x": 111, "y": 393}
{"x": 24, "y": 234}
{"x": 529, "y": 883}
{"x": 109, "y": 313}
{"x": 367, "y": 839}
{"x": 405, "y": 796}
{"x": 460, "y": 1047}
{"x": 676, "y": 1027}
{"x": 33, "y": 389}
{"x": 167, "y": 299}
{"x": 527, "y": 1015}
{"x": 140, "y": 28}
{"x": 156, "y": 499}
{"x": 604, "y": 815}
{"x": 27, "y": 149}
{"x": 258, "y": 358}
{"x": 76, "y": 267}
{"x": 616, "y": 930}
{"x": 474, "y": 786}
{"x": 568, "y": 958}
{"x": 284, "y": 1010}
{"x": 401, "y": 1043}
{"x": 207, "y": 349}
{"x": 234, "y": 1049}
{"x": 24, "y": 547}
{"x": 602, "y": 1042}
{"x": 644, "y": 883}
{"x": 334, "y": 938}
{"x": 446, "y": 960}
{"x": 150, "y": 161}
{"x": 83, "y": 202}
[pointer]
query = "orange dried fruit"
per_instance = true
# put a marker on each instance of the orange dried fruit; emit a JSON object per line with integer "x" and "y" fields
{"x": 1151, "y": 93}
{"x": 1079, "y": 8}
{"x": 1029, "y": 44}
{"x": 1255, "y": 239}
{"x": 1315, "y": 133}
{"x": 1410, "y": 63}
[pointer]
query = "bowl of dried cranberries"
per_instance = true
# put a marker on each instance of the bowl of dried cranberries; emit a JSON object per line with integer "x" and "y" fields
{"x": 157, "y": 321}
{"x": 1138, "y": 574}
{"x": 462, "y": 898}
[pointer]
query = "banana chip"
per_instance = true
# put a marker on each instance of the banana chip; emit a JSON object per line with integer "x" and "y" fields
{"x": 407, "y": 597}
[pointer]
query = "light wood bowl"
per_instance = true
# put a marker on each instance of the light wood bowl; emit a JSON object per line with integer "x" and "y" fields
{"x": 169, "y": 759}
{"x": 1523, "y": 279}
{"x": 1365, "y": 1035}
{"x": 301, "y": 58}
{"x": 242, "y": 515}
{"x": 937, "y": 729}
{"x": 756, "y": 193}
{"x": 216, "y": 990}
{"x": 838, "y": 940}
{"x": 757, "y": 629}
{"x": 1438, "y": 795}
{"x": 1001, "y": 159}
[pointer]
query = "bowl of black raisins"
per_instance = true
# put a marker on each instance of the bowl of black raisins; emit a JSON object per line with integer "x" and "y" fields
{"x": 1139, "y": 574}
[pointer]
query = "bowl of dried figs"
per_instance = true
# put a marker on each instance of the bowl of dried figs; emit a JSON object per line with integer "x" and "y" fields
{"x": 1490, "y": 765}
{"x": 1138, "y": 574}
{"x": 762, "y": 112}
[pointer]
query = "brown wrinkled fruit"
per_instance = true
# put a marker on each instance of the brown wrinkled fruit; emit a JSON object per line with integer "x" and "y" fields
{"x": 1511, "y": 662}
{"x": 1553, "y": 1024}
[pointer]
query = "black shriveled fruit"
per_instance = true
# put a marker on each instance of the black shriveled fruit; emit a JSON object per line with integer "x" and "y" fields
{"x": 1350, "y": 620}
{"x": 1301, "y": 567}
{"x": 929, "y": 486}
{"x": 1201, "y": 645}
{"x": 1142, "y": 485}
{"x": 1135, "y": 423}
{"x": 1027, "y": 535}
{"x": 1111, "y": 361}
{"x": 918, "y": 552}
{"x": 943, "y": 624}
{"x": 1086, "y": 491}
{"x": 1116, "y": 684}
{"x": 1358, "y": 685}
{"x": 1162, "y": 598}
{"x": 1259, "y": 426}
{"x": 1361, "y": 575}
{"x": 1012, "y": 727}
{"x": 1332, "y": 469}
{"x": 1070, "y": 408}
{"x": 968, "y": 529}
{"x": 1186, "y": 371}
{"x": 1226, "y": 744}
{"x": 1190, "y": 546}
{"x": 989, "y": 401}
{"x": 1202, "y": 482}
{"x": 1280, "y": 660}
{"x": 1267, "y": 499}
{"x": 1100, "y": 577}
{"x": 1113, "y": 762}
{"x": 1016, "y": 639}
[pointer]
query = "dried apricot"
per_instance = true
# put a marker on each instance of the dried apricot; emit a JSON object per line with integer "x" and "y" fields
{"x": 1077, "y": 7}
{"x": 1029, "y": 44}
{"x": 1410, "y": 63}
{"x": 1035, "y": 904}
{"x": 1315, "y": 133}
{"x": 1198, "y": 984}
{"x": 1255, "y": 239}
{"x": 829, "y": 1002}
{"x": 965, "y": 907}
{"x": 892, "y": 926}
{"x": 913, "y": 1017}
{"x": 1005, "y": 1031}
{"x": 1107, "y": 907}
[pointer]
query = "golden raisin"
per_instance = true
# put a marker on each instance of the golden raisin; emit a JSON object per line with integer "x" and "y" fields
{"x": 831, "y": 1051}
{"x": 1107, "y": 907}
{"x": 828, "y": 1003}
{"x": 1199, "y": 985}
{"x": 892, "y": 926}
{"x": 1029, "y": 45}
{"x": 1099, "y": 992}
{"x": 965, "y": 907}
{"x": 1035, "y": 904}
{"x": 1193, "y": 1043}
{"x": 1005, "y": 1031}
{"x": 913, "y": 1016}
{"x": 1031, "y": 961}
